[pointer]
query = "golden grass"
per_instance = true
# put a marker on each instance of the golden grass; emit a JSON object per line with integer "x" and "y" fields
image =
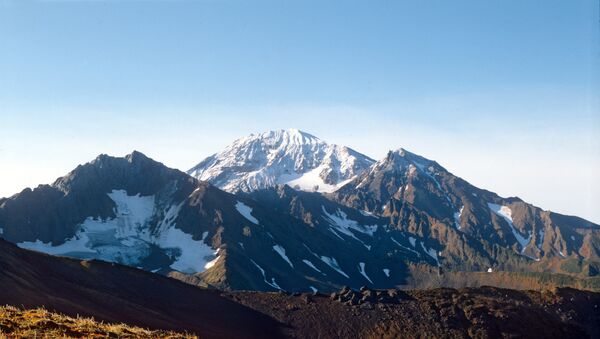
{"x": 40, "y": 323}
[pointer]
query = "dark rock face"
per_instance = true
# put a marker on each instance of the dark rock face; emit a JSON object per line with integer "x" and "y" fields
{"x": 51, "y": 213}
{"x": 114, "y": 209}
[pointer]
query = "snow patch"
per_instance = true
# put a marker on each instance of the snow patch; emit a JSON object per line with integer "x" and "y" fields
{"x": 457, "y": 216}
{"x": 194, "y": 254}
{"x": 311, "y": 251}
{"x": 427, "y": 172}
{"x": 212, "y": 262}
{"x": 73, "y": 247}
{"x": 340, "y": 221}
{"x": 540, "y": 239}
{"x": 331, "y": 262}
{"x": 246, "y": 212}
{"x": 431, "y": 252}
{"x": 314, "y": 289}
{"x": 411, "y": 169}
{"x": 386, "y": 271}
{"x": 281, "y": 251}
{"x": 311, "y": 181}
{"x": 413, "y": 241}
{"x": 404, "y": 247}
{"x": 310, "y": 264}
{"x": 506, "y": 213}
{"x": 365, "y": 213}
{"x": 361, "y": 269}
{"x": 272, "y": 283}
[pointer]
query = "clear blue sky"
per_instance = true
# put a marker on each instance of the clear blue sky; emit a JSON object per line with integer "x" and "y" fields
{"x": 503, "y": 93}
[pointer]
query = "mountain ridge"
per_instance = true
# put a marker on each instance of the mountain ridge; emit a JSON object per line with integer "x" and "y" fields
{"x": 405, "y": 208}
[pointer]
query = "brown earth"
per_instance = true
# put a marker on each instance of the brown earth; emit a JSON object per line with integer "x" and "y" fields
{"x": 484, "y": 312}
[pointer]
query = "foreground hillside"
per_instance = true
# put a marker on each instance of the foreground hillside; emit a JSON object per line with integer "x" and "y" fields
{"x": 40, "y": 323}
{"x": 441, "y": 313}
{"x": 119, "y": 294}
{"x": 113, "y": 293}
{"x": 484, "y": 312}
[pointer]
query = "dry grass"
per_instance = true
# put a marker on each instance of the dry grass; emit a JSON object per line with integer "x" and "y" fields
{"x": 40, "y": 323}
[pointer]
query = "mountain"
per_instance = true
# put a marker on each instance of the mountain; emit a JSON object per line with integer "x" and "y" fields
{"x": 137, "y": 212}
{"x": 404, "y": 222}
{"x": 119, "y": 294}
{"x": 290, "y": 157}
{"x": 472, "y": 229}
{"x": 114, "y": 209}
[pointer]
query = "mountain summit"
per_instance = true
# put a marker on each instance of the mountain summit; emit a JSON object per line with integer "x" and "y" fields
{"x": 290, "y": 157}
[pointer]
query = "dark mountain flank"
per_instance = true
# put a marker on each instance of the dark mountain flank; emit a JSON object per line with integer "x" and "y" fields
{"x": 116, "y": 293}
{"x": 472, "y": 229}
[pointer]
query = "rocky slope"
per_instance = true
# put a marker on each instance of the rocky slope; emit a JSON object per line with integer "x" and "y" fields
{"x": 115, "y": 209}
{"x": 115, "y": 293}
{"x": 470, "y": 228}
{"x": 290, "y": 157}
{"x": 441, "y": 313}
{"x": 459, "y": 226}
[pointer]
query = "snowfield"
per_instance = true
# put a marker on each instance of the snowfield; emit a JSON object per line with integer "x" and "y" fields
{"x": 290, "y": 157}
{"x": 126, "y": 238}
{"x": 341, "y": 223}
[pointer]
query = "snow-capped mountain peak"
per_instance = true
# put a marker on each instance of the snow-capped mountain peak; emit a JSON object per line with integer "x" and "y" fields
{"x": 289, "y": 156}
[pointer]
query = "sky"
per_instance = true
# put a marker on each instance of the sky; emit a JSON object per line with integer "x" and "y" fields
{"x": 505, "y": 94}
